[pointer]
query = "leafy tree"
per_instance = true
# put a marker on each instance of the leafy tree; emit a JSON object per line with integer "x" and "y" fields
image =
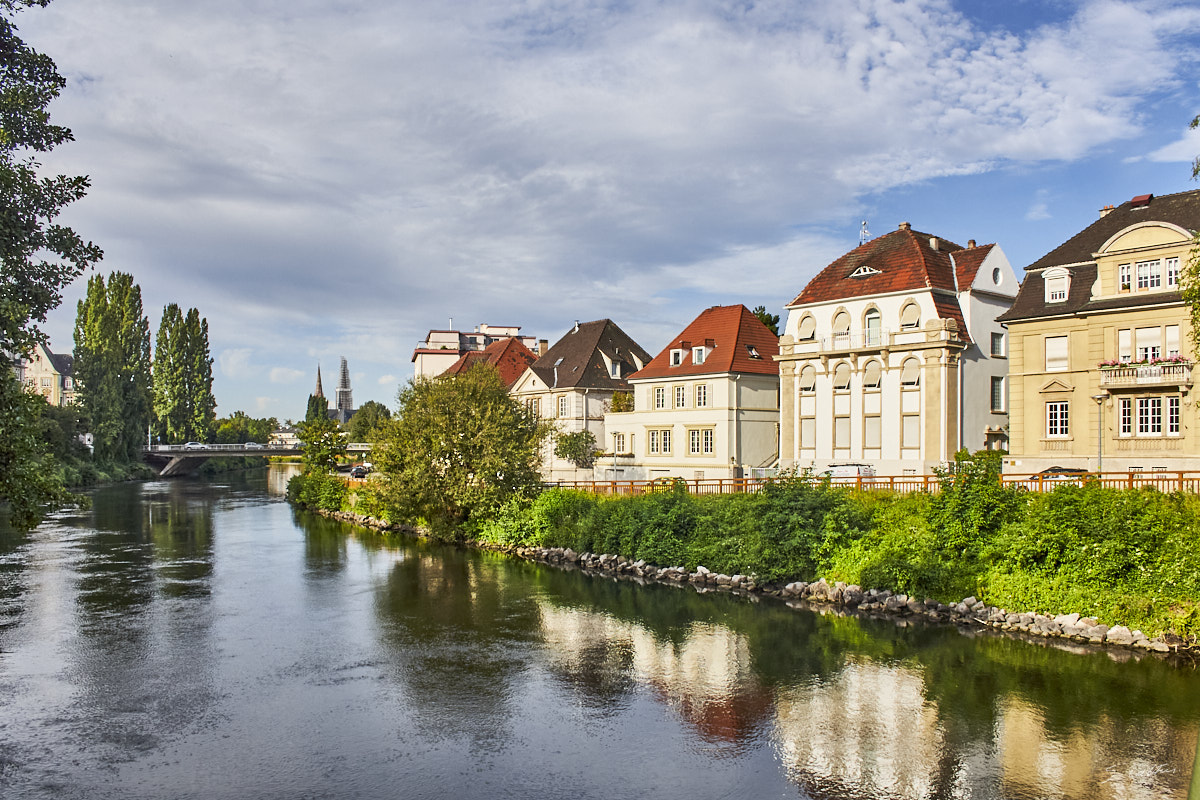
{"x": 621, "y": 401}
{"x": 460, "y": 448}
{"x": 318, "y": 408}
{"x": 37, "y": 257}
{"x": 184, "y": 406}
{"x": 578, "y": 447}
{"x": 241, "y": 427}
{"x": 364, "y": 425}
{"x": 60, "y": 431}
{"x": 770, "y": 320}
{"x": 323, "y": 443}
{"x": 112, "y": 365}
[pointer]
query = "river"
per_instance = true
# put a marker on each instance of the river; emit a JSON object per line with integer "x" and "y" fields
{"x": 201, "y": 639}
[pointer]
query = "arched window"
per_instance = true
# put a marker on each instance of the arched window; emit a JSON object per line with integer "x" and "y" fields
{"x": 841, "y": 322}
{"x": 910, "y": 316}
{"x": 872, "y": 375}
{"x": 841, "y": 376}
{"x": 808, "y": 378}
{"x": 910, "y": 372}
{"x": 808, "y": 328}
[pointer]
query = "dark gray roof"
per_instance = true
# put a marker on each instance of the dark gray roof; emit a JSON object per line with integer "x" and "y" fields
{"x": 581, "y": 365}
{"x": 1182, "y": 209}
{"x": 63, "y": 364}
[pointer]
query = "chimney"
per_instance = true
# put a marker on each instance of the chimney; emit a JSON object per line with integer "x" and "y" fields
{"x": 933, "y": 243}
{"x": 576, "y": 327}
{"x": 904, "y": 226}
{"x": 970, "y": 244}
{"x": 1104, "y": 212}
{"x": 542, "y": 346}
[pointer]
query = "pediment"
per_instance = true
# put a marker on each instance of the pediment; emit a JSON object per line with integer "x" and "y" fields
{"x": 1056, "y": 386}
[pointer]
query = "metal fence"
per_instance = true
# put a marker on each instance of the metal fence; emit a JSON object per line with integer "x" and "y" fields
{"x": 903, "y": 484}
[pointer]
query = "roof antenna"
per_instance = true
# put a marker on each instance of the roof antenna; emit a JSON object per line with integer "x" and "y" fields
{"x": 864, "y": 235}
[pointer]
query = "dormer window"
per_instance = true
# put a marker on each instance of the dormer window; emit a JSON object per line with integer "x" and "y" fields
{"x": 616, "y": 369}
{"x": 1149, "y": 274}
{"x": 676, "y": 358}
{"x": 698, "y": 355}
{"x": 864, "y": 271}
{"x": 1058, "y": 285}
{"x": 752, "y": 351}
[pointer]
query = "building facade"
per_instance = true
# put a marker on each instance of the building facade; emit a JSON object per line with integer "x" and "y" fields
{"x": 49, "y": 374}
{"x": 442, "y": 348}
{"x": 573, "y": 383}
{"x": 1101, "y": 367}
{"x": 705, "y": 407}
{"x": 892, "y": 356}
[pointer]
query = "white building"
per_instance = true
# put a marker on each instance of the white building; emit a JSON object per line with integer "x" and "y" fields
{"x": 705, "y": 407}
{"x": 442, "y": 348}
{"x": 573, "y": 382}
{"x": 892, "y": 356}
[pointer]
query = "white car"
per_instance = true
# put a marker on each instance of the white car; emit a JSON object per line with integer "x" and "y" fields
{"x": 252, "y": 446}
{"x": 195, "y": 446}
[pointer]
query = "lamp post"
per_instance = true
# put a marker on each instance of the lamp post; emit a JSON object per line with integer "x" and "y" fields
{"x": 1100, "y": 398}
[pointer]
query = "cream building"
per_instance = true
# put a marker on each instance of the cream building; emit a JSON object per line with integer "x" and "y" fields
{"x": 1101, "y": 366}
{"x": 573, "y": 383}
{"x": 51, "y": 375}
{"x": 892, "y": 356}
{"x": 707, "y": 406}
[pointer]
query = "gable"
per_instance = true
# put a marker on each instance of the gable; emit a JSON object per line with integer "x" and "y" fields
{"x": 1056, "y": 386}
{"x": 1145, "y": 235}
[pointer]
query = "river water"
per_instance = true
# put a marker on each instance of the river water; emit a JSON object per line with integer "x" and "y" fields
{"x": 201, "y": 639}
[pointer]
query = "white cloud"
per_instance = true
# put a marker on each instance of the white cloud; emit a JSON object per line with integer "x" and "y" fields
{"x": 387, "y": 380}
{"x": 355, "y": 175}
{"x": 285, "y": 375}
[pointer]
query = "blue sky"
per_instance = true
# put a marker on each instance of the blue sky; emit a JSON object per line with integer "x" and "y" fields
{"x": 326, "y": 179}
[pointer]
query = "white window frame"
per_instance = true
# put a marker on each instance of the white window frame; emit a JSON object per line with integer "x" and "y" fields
{"x": 1173, "y": 411}
{"x": 618, "y": 443}
{"x": 660, "y": 397}
{"x": 707, "y": 437}
{"x": 998, "y": 342}
{"x": 1149, "y": 416}
{"x": 680, "y": 396}
{"x": 1149, "y": 275}
{"x": 1125, "y": 278}
{"x": 701, "y": 395}
{"x": 698, "y": 355}
{"x": 676, "y": 358}
{"x": 1172, "y": 272}
{"x": 1125, "y": 417}
{"x": 1058, "y": 419}
{"x": 1052, "y": 342}
{"x": 997, "y": 394}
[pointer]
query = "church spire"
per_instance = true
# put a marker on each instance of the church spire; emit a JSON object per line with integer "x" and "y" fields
{"x": 319, "y": 392}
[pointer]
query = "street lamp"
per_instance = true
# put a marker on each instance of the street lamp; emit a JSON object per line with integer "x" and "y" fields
{"x": 1100, "y": 398}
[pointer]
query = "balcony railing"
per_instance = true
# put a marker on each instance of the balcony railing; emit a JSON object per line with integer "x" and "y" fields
{"x": 1177, "y": 374}
{"x": 870, "y": 340}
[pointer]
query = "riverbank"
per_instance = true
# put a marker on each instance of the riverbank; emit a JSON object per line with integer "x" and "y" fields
{"x": 1069, "y": 631}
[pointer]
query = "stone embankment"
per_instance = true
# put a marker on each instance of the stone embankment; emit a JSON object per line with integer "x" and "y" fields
{"x": 969, "y": 612}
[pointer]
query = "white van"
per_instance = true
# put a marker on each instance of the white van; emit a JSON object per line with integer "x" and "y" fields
{"x": 848, "y": 473}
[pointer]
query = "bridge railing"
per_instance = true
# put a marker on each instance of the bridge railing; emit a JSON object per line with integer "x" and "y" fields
{"x": 182, "y": 448}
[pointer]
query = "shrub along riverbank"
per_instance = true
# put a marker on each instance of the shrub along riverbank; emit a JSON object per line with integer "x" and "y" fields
{"x": 1129, "y": 557}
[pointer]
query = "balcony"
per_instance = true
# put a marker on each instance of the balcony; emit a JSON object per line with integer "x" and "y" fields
{"x": 1143, "y": 376}
{"x": 865, "y": 342}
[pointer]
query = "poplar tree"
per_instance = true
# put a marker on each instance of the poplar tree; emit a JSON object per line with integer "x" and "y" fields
{"x": 184, "y": 406}
{"x": 112, "y": 365}
{"x": 37, "y": 259}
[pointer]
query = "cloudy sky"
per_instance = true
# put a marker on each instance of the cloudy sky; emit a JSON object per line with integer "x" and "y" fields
{"x": 326, "y": 178}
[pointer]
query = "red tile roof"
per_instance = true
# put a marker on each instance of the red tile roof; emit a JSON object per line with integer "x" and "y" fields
{"x": 736, "y": 335}
{"x": 509, "y": 356}
{"x": 967, "y": 263}
{"x": 902, "y": 260}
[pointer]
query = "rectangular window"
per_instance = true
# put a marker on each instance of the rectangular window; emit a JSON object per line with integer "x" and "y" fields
{"x": 694, "y": 442}
{"x": 652, "y": 442}
{"x": 1057, "y": 419}
{"x": 871, "y": 432}
{"x": 841, "y": 433}
{"x": 1125, "y": 277}
{"x": 666, "y": 441}
{"x": 616, "y": 369}
{"x": 1056, "y": 289}
{"x": 997, "y": 393}
{"x": 1172, "y": 340}
{"x": 697, "y": 355}
{"x": 1057, "y": 359}
{"x": 997, "y": 344}
{"x": 1125, "y": 345}
{"x": 706, "y": 441}
{"x": 618, "y": 443}
{"x": 1149, "y": 416}
{"x": 1149, "y": 274}
{"x": 534, "y": 405}
{"x": 680, "y": 396}
{"x": 808, "y": 432}
{"x": 660, "y": 397}
{"x": 1125, "y": 422}
{"x": 1148, "y": 342}
{"x": 562, "y": 405}
{"x": 1172, "y": 272}
{"x": 701, "y": 395}
{"x": 910, "y": 431}
{"x": 676, "y": 358}
{"x": 1173, "y": 416}
{"x": 45, "y": 381}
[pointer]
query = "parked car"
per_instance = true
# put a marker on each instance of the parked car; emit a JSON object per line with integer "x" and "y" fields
{"x": 360, "y": 471}
{"x": 848, "y": 473}
{"x": 252, "y": 446}
{"x": 195, "y": 446}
